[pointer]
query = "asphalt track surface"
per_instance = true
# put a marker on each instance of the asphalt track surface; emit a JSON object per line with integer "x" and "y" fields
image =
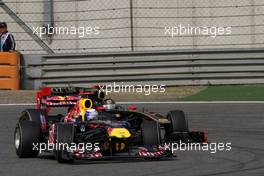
{"x": 240, "y": 124}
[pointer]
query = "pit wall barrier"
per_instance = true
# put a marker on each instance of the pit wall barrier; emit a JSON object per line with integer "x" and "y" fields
{"x": 9, "y": 70}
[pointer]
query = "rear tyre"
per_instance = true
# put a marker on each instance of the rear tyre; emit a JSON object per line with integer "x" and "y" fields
{"x": 33, "y": 115}
{"x": 150, "y": 132}
{"x": 26, "y": 134}
{"x": 64, "y": 136}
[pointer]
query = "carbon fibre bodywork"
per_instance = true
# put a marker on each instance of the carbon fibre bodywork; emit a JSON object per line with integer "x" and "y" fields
{"x": 119, "y": 132}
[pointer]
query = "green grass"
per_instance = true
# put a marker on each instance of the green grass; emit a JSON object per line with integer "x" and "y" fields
{"x": 229, "y": 93}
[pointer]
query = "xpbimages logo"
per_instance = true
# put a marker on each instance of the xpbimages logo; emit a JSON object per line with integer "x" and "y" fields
{"x": 81, "y": 147}
{"x": 211, "y": 147}
{"x": 211, "y": 31}
{"x": 147, "y": 89}
{"x": 81, "y": 31}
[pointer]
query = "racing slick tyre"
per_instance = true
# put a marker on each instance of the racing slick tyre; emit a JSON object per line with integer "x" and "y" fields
{"x": 178, "y": 126}
{"x": 178, "y": 121}
{"x": 26, "y": 134}
{"x": 64, "y": 136}
{"x": 150, "y": 132}
{"x": 33, "y": 115}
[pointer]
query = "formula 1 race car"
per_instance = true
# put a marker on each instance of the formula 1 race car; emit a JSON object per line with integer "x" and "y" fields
{"x": 94, "y": 127}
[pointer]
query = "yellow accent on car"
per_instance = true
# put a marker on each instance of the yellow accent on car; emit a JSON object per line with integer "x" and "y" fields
{"x": 120, "y": 146}
{"x": 84, "y": 105}
{"x": 119, "y": 133}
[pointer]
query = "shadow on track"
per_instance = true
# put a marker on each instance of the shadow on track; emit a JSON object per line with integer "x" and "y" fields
{"x": 108, "y": 161}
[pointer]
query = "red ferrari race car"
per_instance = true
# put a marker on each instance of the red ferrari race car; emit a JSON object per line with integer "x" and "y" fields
{"x": 94, "y": 127}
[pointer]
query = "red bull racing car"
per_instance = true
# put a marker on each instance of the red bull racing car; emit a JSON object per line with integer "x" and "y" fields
{"x": 94, "y": 127}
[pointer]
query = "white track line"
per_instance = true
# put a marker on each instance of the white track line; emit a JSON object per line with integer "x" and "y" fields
{"x": 162, "y": 102}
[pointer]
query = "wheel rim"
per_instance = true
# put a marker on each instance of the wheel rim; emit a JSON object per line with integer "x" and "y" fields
{"x": 17, "y": 139}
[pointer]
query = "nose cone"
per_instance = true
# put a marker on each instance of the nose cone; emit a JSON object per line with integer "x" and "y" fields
{"x": 118, "y": 132}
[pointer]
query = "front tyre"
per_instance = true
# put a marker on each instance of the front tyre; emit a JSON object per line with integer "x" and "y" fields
{"x": 150, "y": 132}
{"x": 178, "y": 128}
{"x": 178, "y": 121}
{"x": 64, "y": 136}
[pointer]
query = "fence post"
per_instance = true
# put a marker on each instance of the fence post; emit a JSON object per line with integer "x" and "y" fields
{"x": 131, "y": 25}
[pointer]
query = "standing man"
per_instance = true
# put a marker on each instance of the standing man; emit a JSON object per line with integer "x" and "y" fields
{"x": 7, "y": 42}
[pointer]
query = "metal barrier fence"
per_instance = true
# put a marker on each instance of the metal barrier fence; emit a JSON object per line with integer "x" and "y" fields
{"x": 172, "y": 68}
{"x": 132, "y": 25}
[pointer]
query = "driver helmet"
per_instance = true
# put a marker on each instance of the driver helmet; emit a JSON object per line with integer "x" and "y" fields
{"x": 109, "y": 104}
{"x": 91, "y": 114}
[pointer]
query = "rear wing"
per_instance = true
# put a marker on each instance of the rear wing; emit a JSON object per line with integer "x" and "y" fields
{"x": 65, "y": 96}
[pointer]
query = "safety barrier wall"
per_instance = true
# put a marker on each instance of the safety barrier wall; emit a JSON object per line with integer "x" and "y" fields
{"x": 9, "y": 70}
{"x": 172, "y": 68}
